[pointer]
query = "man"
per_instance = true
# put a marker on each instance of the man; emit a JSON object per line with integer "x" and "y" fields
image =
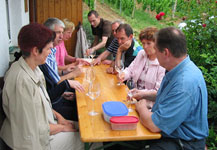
{"x": 101, "y": 29}
{"x": 112, "y": 48}
{"x": 128, "y": 46}
{"x": 60, "y": 89}
{"x": 180, "y": 110}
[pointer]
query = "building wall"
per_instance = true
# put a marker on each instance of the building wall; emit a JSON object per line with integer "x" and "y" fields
{"x": 4, "y": 39}
{"x": 17, "y": 18}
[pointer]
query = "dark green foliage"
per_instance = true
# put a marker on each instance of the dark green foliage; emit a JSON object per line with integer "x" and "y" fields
{"x": 201, "y": 34}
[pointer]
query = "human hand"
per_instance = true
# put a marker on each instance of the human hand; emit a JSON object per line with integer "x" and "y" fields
{"x": 75, "y": 73}
{"x": 111, "y": 70}
{"x": 82, "y": 62}
{"x": 106, "y": 62}
{"x": 141, "y": 105}
{"x": 70, "y": 68}
{"x": 125, "y": 46}
{"x": 121, "y": 77}
{"x": 97, "y": 61}
{"x": 68, "y": 95}
{"x": 69, "y": 128}
{"x": 76, "y": 85}
{"x": 89, "y": 51}
{"x": 138, "y": 94}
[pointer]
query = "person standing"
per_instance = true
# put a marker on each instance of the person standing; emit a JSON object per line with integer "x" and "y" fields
{"x": 101, "y": 29}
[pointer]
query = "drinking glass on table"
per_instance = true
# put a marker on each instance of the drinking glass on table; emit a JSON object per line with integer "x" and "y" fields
{"x": 94, "y": 92}
{"x": 89, "y": 77}
{"x": 131, "y": 85}
{"x": 119, "y": 67}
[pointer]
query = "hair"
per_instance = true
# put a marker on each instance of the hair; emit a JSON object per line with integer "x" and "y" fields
{"x": 173, "y": 39}
{"x": 126, "y": 27}
{"x": 68, "y": 24}
{"x": 34, "y": 35}
{"x": 51, "y": 22}
{"x": 93, "y": 12}
{"x": 148, "y": 34}
{"x": 117, "y": 21}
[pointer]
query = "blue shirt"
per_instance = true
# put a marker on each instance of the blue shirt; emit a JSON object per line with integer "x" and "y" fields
{"x": 180, "y": 110}
{"x": 52, "y": 65}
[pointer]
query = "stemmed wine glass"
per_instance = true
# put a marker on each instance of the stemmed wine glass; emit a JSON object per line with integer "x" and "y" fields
{"x": 119, "y": 67}
{"x": 89, "y": 77}
{"x": 131, "y": 85}
{"x": 92, "y": 55}
{"x": 94, "y": 92}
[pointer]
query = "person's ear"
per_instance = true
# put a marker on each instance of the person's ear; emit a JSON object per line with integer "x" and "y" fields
{"x": 131, "y": 36}
{"x": 35, "y": 51}
{"x": 166, "y": 52}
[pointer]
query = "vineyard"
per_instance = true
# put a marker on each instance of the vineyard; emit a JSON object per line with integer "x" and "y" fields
{"x": 201, "y": 32}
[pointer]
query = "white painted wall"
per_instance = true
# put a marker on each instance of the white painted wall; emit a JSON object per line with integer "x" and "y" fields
{"x": 18, "y": 18}
{"x": 4, "y": 40}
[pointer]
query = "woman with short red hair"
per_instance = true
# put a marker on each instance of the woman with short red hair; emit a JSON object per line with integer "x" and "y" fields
{"x": 30, "y": 122}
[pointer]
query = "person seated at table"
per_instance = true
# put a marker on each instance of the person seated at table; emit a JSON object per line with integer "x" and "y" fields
{"x": 111, "y": 49}
{"x": 60, "y": 91}
{"x": 127, "y": 45}
{"x": 30, "y": 122}
{"x": 61, "y": 52}
{"x": 180, "y": 110}
{"x": 149, "y": 73}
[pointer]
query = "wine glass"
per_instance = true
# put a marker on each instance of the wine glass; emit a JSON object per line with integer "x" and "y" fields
{"x": 89, "y": 77}
{"x": 119, "y": 67}
{"x": 94, "y": 92}
{"x": 92, "y": 55}
{"x": 131, "y": 85}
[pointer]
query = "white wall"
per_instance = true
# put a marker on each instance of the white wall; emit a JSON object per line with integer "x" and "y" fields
{"x": 18, "y": 18}
{"x": 4, "y": 40}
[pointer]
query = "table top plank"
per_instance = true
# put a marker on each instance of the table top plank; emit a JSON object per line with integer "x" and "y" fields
{"x": 94, "y": 128}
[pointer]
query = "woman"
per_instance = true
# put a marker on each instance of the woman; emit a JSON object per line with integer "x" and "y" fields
{"x": 145, "y": 70}
{"x": 30, "y": 122}
{"x": 61, "y": 53}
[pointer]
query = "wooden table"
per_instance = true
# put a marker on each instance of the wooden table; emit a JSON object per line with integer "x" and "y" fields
{"x": 94, "y": 128}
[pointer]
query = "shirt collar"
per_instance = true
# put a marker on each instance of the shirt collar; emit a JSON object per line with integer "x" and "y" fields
{"x": 175, "y": 71}
{"x": 35, "y": 75}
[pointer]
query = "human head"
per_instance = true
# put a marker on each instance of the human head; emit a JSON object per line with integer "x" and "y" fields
{"x": 93, "y": 18}
{"x": 173, "y": 39}
{"x": 57, "y": 26}
{"x": 69, "y": 28}
{"x": 147, "y": 39}
{"x": 115, "y": 25}
{"x": 124, "y": 33}
{"x": 34, "y": 35}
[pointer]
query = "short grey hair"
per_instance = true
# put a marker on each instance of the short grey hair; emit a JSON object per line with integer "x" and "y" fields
{"x": 51, "y": 22}
{"x": 117, "y": 21}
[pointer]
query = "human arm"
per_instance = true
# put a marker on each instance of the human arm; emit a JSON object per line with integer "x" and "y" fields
{"x": 73, "y": 74}
{"x": 63, "y": 125}
{"x": 123, "y": 48}
{"x": 145, "y": 116}
{"x": 144, "y": 94}
{"x": 101, "y": 57}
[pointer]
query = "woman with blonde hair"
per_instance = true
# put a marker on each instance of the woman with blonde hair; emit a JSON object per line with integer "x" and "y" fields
{"x": 61, "y": 53}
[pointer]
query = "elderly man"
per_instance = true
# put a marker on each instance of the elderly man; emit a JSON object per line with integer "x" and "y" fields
{"x": 101, "y": 29}
{"x": 180, "y": 110}
{"x": 60, "y": 89}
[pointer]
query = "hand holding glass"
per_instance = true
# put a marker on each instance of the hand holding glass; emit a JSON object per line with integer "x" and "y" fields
{"x": 119, "y": 67}
{"x": 130, "y": 84}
